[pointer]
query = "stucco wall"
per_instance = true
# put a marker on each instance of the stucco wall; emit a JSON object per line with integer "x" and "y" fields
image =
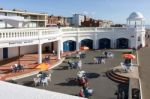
{"x": 28, "y": 49}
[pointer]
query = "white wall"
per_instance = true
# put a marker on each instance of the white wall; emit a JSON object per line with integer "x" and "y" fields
{"x": 29, "y": 49}
{"x": 77, "y": 19}
{"x": 12, "y": 52}
{"x": 2, "y": 24}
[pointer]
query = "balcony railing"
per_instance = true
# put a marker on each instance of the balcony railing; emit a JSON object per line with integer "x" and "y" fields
{"x": 27, "y": 33}
{"x": 42, "y": 33}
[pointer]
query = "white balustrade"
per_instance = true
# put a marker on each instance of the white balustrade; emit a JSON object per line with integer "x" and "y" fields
{"x": 16, "y": 34}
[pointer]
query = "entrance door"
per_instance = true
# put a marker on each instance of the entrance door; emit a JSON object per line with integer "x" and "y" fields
{"x": 87, "y": 43}
{"x": 122, "y": 43}
{"x": 104, "y": 43}
{"x": 5, "y": 53}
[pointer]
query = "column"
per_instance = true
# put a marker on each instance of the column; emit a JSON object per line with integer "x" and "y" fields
{"x": 39, "y": 53}
{"x": 58, "y": 49}
{"x": 95, "y": 40}
{"x": 77, "y": 41}
{"x": 61, "y": 46}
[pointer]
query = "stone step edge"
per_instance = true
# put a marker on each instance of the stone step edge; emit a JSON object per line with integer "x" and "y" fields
{"x": 118, "y": 76}
{"x": 116, "y": 80}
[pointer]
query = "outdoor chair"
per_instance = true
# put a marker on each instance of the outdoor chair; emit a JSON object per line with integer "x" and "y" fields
{"x": 110, "y": 55}
{"x": 49, "y": 77}
{"x": 123, "y": 67}
{"x": 78, "y": 56}
{"x": 36, "y": 81}
{"x": 95, "y": 60}
{"x": 103, "y": 61}
{"x": 44, "y": 81}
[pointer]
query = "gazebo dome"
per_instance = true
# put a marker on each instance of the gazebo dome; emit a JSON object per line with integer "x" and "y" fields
{"x": 135, "y": 16}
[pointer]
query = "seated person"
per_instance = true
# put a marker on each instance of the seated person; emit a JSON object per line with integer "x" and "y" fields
{"x": 127, "y": 62}
{"x": 82, "y": 80}
{"x": 42, "y": 75}
{"x": 19, "y": 67}
{"x": 47, "y": 58}
{"x": 87, "y": 92}
{"x": 13, "y": 68}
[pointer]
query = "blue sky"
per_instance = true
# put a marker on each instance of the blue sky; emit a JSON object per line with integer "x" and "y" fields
{"x": 115, "y": 10}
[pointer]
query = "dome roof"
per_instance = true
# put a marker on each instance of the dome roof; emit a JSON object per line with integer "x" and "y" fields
{"x": 135, "y": 16}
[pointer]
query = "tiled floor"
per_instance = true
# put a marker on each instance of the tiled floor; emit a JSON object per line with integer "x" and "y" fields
{"x": 30, "y": 62}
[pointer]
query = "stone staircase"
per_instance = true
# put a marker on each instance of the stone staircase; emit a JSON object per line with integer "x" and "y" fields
{"x": 116, "y": 77}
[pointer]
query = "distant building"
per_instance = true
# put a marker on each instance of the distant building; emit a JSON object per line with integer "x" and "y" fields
{"x": 57, "y": 21}
{"x": 34, "y": 19}
{"x": 77, "y": 19}
{"x": 89, "y": 22}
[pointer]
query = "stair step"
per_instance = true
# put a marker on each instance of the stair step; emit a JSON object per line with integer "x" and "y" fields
{"x": 118, "y": 76}
{"x": 115, "y": 79}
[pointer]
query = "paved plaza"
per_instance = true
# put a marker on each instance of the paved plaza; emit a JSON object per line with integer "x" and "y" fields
{"x": 144, "y": 70}
{"x": 62, "y": 77}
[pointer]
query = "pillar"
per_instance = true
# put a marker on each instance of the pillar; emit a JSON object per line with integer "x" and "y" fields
{"x": 95, "y": 40}
{"x": 77, "y": 41}
{"x": 58, "y": 49}
{"x": 61, "y": 46}
{"x": 39, "y": 53}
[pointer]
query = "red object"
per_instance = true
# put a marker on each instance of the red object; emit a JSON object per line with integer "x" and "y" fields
{"x": 129, "y": 56}
{"x": 84, "y": 48}
{"x": 81, "y": 94}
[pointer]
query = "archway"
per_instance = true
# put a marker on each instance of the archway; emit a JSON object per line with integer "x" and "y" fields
{"x": 122, "y": 43}
{"x": 104, "y": 43}
{"x": 69, "y": 45}
{"x": 88, "y": 43}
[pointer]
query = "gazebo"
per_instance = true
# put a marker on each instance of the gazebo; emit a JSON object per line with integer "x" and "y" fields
{"x": 135, "y": 19}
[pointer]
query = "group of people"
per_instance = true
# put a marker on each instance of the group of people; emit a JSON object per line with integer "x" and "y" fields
{"x": 83, "y": 81}
{"x": 99, "y": 60}
{"x": 75, "y": 64}
{"x": 108, "y": 54}
{"x": 42, "y": 78}
{"x": 17, "y": 68}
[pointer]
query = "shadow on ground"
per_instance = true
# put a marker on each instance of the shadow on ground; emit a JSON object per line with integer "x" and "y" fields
{"x": 61, "y": 68}
{"x": 69, "y": 82}
{"x": 28, "y": 83}
{"x": 92, "y": 75}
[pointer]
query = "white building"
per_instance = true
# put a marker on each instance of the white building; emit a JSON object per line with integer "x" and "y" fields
{"x": 34, "y": 19}
{"x": 77, "y": 19}
{"x": 31, "y": 40}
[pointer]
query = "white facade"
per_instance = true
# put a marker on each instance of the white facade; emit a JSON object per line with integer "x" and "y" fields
{"x": 35, "y": 19}
{"x": 36, "y": 39}
{"x": 77, "y": 19}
